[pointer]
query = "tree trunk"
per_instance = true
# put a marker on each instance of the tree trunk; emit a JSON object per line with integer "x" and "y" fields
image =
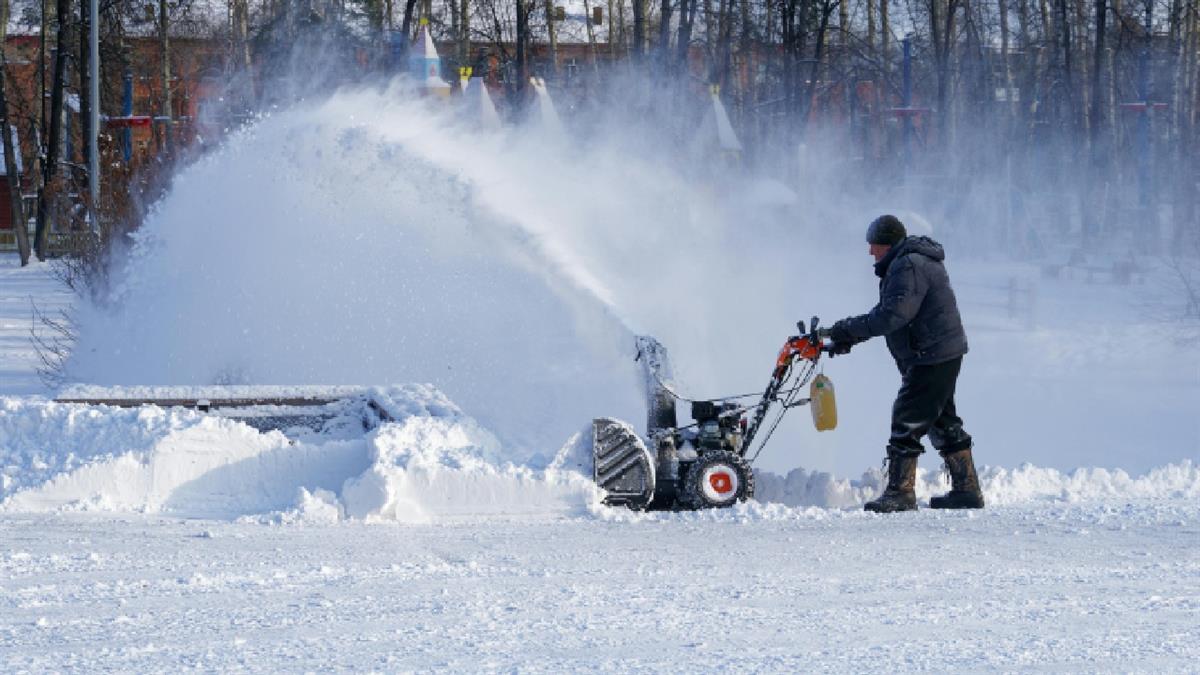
{"x": 552, "y": 35}
{"x": 591, "y": 36}
{"x": 85, "y": 101}
{"x": 613, "y": 27}
{"x": 1095, "y": 207}
{"x": 241, "y": 38}
{"x": 406, "y": 24}
{"x": 843, "y": 23}
{"x": 1185, "y": 197}
{"x": 1006, "y": 64}
{"x": 639, "y": 29}
{"x": 871, "y": 29}
{"x": 664, "y": 38}
{"x": 1179, "y": 60}
{"x": 464, "y": 32}
{"x": 164, "y": 41}
{"x": 941, "y": 19}
{"x": 1048, "y": 33}
{"x": 826, "y": 12}
{"x": 50, "y": 166}
{"x": 745, "y": 76}
{"x": 1082, "y": 89}
{"x": 619, "y": 30}
{"x": 720, "y": 64}
{"x": 1028, "y": 62}
{"x": 885, "y": 32}
{"x": 1064, "y": 53}
{"x": 20, "y": 227}
{"x": 710, "y": 32}
{"x": 1097, "y": 116}
{"x": 683, "y": 43}
{"x": 522, "y": 49}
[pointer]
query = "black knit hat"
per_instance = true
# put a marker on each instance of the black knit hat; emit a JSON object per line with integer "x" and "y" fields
{"x": 886, "y": 231}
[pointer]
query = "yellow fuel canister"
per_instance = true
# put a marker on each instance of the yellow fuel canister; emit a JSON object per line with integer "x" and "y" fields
{"x": 823, "y": 403}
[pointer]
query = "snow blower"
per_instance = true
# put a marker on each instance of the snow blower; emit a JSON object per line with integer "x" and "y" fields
{"x": 704, "y": 464}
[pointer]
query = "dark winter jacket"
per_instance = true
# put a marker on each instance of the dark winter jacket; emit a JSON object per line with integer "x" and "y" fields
{"x": 917, "y": 310}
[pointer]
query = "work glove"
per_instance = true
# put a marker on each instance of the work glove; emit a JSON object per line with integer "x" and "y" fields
{"x": 836, "y": 348}
{"x": 839, "y": 334}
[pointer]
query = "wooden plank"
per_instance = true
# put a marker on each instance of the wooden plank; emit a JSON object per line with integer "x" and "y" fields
{"x": 196, "y": 402}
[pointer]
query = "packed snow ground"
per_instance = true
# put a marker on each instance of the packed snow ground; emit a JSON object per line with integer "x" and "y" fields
{"x": 20, "y": 290}
{"x": 1042, "y": 587}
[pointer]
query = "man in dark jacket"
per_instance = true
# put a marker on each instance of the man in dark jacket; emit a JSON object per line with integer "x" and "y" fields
{"x": 918, "y": 314}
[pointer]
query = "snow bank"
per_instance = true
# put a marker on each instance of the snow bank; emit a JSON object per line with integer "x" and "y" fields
{"x": 40, "y": 440}
{"x": 1030, "y": 483}
{"x": 1001, "y": 486}
{"x": 431, "y": 462}
{"x": 152, "y": 460}
{"x": 447, "y": 467}
{"x": 813, "y": 488}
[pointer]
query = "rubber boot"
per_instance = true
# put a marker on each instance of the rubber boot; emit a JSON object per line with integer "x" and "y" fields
{"x": 964, "y": 483}
{"x": 899, "y": 494}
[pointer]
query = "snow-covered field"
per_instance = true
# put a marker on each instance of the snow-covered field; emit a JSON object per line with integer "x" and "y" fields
{"x": 19, "y": 289}
{"x": 1045, "y": 587}
{"x": 441, "y": 517}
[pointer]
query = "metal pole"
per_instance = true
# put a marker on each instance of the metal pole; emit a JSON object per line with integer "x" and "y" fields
{"x": 94, "y": 110}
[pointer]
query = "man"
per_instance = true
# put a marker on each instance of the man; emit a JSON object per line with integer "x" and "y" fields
{"x": 918, "y": 314}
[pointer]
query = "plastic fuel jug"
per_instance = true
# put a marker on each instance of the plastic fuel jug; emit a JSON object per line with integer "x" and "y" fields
{"x": 823, "y": 403}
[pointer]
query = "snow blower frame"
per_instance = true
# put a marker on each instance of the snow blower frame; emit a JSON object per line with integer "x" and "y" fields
{"x": 704, "y": 464}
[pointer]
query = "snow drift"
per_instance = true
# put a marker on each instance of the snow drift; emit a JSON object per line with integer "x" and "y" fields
{"x": 430, "y": 463}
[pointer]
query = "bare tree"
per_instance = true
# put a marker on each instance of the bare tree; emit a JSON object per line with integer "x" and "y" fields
{"x": 12, "y": 174}
{"x": 50, "y": 173}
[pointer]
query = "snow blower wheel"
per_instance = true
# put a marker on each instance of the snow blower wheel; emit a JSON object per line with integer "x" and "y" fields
{"x": 717, "y": 480}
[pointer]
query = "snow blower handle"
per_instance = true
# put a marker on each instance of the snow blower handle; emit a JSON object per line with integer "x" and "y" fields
{"x": 807, "y": 346}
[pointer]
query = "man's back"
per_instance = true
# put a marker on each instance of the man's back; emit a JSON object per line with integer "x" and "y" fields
{"x": 927, "y": 327}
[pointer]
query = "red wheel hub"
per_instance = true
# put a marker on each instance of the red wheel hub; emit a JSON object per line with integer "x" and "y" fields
{"x": 721, "y": 482}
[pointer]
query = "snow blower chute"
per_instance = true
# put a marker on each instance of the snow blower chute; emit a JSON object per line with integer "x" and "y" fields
{"x": 705, "y": 464}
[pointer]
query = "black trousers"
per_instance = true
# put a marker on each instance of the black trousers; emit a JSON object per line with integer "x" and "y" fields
{"x": 925, "y": 406}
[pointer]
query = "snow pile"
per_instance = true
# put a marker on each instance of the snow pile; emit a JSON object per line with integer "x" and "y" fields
{"x": 451, "y": 467}
{"x": 1030, "y": 483}
{"x": 1001, "y": 486}
{"x": 319, "y": 507}
{"x": 814, "y": 488}
{"x": 430, "y": 462}
{"x": 173, "y": 461}
{"x": 41, "y": 440}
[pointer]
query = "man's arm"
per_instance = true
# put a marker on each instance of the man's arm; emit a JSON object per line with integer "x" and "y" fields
{"x": 900, "y": 299}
